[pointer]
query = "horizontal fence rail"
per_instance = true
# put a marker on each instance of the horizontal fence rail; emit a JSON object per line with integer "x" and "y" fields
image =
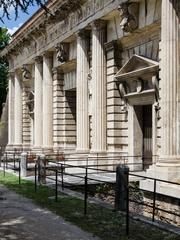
{"x": 60, "y": 174}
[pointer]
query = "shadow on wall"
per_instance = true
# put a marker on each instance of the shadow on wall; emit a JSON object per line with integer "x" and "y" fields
{"x": 4, "y": 124}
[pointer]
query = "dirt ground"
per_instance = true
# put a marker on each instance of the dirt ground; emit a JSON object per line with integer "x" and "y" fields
{"x": 21, "y": 219}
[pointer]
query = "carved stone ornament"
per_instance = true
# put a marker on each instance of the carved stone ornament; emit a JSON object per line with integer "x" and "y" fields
{"x": 62, "y": 52}
{"x": 89, "y": 76}
{"x": 122, "y": 90}
{"x": 25, "y": 72}
{"x": 139, "y": 85}
{"x": 128, "y": 22}
{"x": 30, "y": 103}
{"x": 156, "y": 86}
{"x": 157, "y": 110}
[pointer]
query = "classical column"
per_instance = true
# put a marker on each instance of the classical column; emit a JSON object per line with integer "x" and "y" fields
{"x": 17, "y": 110}
{"x": 170, "y": 96}
{"x": 99, "y": 86}
{"x": 47, "y": 102}
{"x": 38, "y": 104}
{"x": 11, "y": 110}
{"x": 82, "y": 91}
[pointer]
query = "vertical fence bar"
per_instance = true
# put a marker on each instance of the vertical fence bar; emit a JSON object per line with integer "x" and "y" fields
{"x": 19, "y": 172}
{"x": 14, "y": 161}
{"x": 143, "y": 163}
{"x": 85, "y": 193}
{"x": 127, "y": 204}
{"x": 35, "y": 178}
{"x": 62, "y": 177}
{"x": 1, "y": 155}
{"x": 4, "y": 167}
{"x": 6, "y": 161}
{"x": 154, "y": 200}
{"x": 56, "y": 188}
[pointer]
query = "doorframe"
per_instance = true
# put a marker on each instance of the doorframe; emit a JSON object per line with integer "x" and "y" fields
{"x": 134, "y": 148}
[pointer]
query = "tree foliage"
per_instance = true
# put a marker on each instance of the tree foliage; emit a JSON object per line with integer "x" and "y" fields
{"x": 4, "y": 39}
{"x": 18, "y": 6}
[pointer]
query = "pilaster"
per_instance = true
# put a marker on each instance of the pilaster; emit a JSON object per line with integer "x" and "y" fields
{"x": 58, "y": 109}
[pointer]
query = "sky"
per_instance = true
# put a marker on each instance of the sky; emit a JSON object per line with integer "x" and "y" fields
{"x": 13, "y": 24}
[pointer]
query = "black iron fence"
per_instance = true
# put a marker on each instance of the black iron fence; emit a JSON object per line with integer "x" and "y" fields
{"x": 94, "y": 181}
{"x": 86, "y": 179}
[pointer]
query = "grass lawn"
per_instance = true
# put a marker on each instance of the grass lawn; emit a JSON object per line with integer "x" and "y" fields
{"x": 104, "y": 223}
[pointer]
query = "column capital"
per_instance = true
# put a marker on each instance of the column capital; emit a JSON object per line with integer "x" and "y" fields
{"x": 38, "y": 59}
{"x": 82, "y": 33}
{"x": 98, "y": 24}
{"x": 11, "y": 74}
{"x": 47, "y": 54}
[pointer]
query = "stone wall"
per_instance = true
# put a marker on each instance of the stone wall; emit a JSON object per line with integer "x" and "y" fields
{"x": 165, "y": 203}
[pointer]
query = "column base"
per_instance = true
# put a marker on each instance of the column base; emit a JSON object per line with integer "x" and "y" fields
{"x": 9, "y": 147}
{"x": 98, "y": 153}
{"x": 168, "y": 161}
{"x": 37, "y": 149}
{"x": 26, "y": 147}
{"x": 18, "y": 147}
{"x": 82, "y": 151}
{"x": 167, "y": 172}
{"x": 58, "y": 149}
{"x": 47, "y": 150}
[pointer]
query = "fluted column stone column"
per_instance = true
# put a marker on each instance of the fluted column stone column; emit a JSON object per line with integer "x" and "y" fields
{"x": 99, "y": 86}
{"x": 82, "y": 91}
{"x": 170, "y": 80}
{"x": 47, "y": 102}
{"x": 11, "y": 110}
{"x": 38, "y": 103}
{"x": 17, "y": 111}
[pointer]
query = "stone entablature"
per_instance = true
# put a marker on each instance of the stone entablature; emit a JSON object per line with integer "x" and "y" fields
{"x": 47, "y": 33}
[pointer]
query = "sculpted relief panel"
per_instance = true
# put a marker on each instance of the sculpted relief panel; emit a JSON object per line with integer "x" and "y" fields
{"x": 54, "y": 30}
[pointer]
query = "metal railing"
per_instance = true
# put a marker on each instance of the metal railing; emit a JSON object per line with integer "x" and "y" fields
{"x": 57, "y": 171}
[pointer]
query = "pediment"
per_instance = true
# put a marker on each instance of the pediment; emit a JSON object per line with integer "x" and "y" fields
{"x": 137, "y": 65}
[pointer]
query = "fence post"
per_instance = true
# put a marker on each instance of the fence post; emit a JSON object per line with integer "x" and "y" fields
{"x": 35, "y": 176}
{"x": 14, "y": 159}
{"x": 41, "y": 162}
{"x": 1, "y": 153}
{"x": 6, "y": 161}
{"x": 85, "y": 193}
{"x": 19, "y": 172}
{"x": 154, "y": 200}
{"x": 62, "y": 177}
{"x": 23, "y": 165}
{"x": 4, "y": 166}
{"x": 121, "y": 187}
{"x": 122, "y": 192}
{"x": 127, "y": 203}
{"x": 56, "y": 188}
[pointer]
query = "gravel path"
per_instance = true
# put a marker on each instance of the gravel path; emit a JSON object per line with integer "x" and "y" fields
{"x": 21, "y": 219}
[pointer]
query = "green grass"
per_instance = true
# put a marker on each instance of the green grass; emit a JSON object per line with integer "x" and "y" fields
{"x": 105, "y": 223}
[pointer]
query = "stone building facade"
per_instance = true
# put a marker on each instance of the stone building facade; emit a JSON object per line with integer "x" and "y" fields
{"x": 99, "y": 77}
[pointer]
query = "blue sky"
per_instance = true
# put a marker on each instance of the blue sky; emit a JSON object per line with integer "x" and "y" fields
{"x": 13, "y": 24}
